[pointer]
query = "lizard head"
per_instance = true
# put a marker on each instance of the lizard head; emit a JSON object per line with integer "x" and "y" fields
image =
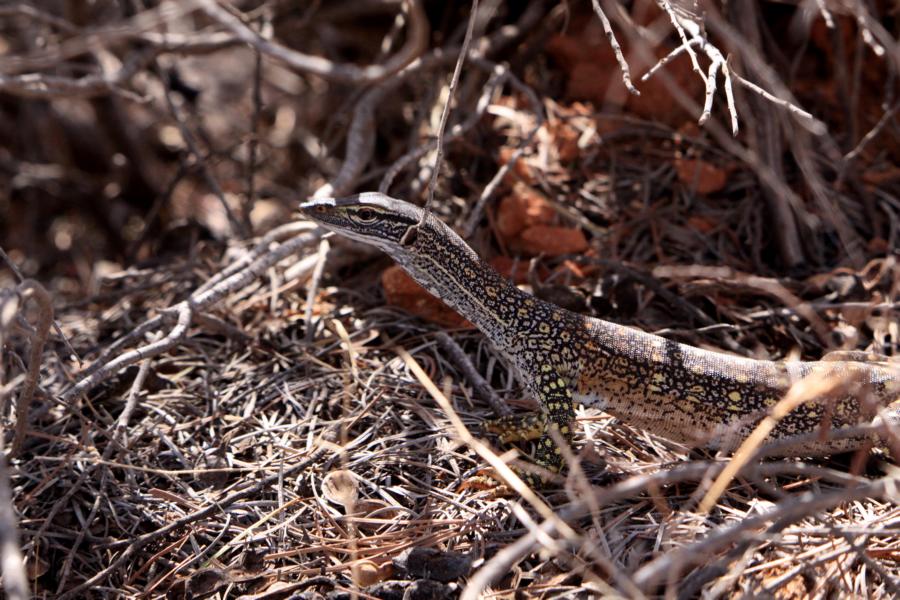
{"x": 372, "y": 218}
{"x": 430, "y": 251}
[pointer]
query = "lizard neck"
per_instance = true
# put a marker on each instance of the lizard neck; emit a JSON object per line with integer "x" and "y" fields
{"x": 454, "y": 273}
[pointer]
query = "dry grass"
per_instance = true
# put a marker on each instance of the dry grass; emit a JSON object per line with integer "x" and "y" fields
{"x": 236, "y": 439}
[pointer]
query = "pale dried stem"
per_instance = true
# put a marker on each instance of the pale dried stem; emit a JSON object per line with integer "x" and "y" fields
{"x": 30, "y": 289}
{"x": 678, "y": 24}
{"x": 616, "y": 48}
{"x": 803, "y": 391}
{"x": 312, "y": 291}
{"x": 445, "y": 111}
{"x": 826, "y": 14}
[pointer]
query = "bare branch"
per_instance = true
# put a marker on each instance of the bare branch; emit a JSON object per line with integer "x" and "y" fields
{"x": 32, "y": 289}
{"x": 417, "y": 37}
{"x": 617, "y": 49}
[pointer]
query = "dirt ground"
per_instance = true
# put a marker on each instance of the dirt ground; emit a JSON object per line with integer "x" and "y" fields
{"x": 204, "y": 397}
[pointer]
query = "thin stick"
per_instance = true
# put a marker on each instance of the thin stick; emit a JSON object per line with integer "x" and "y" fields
{"x": 617, "y": 49}
{"x": 313, "y": 290}
{"x": 445, "y": 113}
{"x": 482, "y": 387}
{"x": 816, "y": 125}
{"x": 676, "y": 23}
{"x": 33, "y": 289}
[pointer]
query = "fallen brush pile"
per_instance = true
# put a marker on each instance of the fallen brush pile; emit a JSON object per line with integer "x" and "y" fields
{"x": 248, "y": 457}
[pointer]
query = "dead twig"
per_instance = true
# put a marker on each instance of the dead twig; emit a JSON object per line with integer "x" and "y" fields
{"x": 416, "y": 39}
{"x": 482, "y": 387}
{"x": 30, "y": 289}
{"x": 445, "y": 112}
{"x": 617, "y": 49}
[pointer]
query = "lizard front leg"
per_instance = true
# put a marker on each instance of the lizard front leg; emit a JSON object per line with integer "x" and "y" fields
{"x": 556, "y": 414}
{"x": 557, "y": 408}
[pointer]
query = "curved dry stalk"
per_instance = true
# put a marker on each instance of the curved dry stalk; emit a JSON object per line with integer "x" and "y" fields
{"x": 30, "y": 289}
{"x": 616, "y": 48}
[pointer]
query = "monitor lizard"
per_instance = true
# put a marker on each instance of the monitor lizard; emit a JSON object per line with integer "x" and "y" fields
{"x": 688, "y": 395}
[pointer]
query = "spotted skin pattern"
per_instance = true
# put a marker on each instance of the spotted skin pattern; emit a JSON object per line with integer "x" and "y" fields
{"x": 685, "y": 394}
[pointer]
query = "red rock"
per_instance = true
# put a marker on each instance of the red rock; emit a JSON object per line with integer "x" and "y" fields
{"x": 551, "y": 240}
{"x": 522, "y": 208}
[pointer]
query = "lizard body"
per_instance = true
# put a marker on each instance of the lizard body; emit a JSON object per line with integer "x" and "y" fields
{"x": 686, "y": 394}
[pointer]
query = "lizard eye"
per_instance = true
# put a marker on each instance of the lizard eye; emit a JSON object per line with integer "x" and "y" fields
{"x": 366, "y": 215}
